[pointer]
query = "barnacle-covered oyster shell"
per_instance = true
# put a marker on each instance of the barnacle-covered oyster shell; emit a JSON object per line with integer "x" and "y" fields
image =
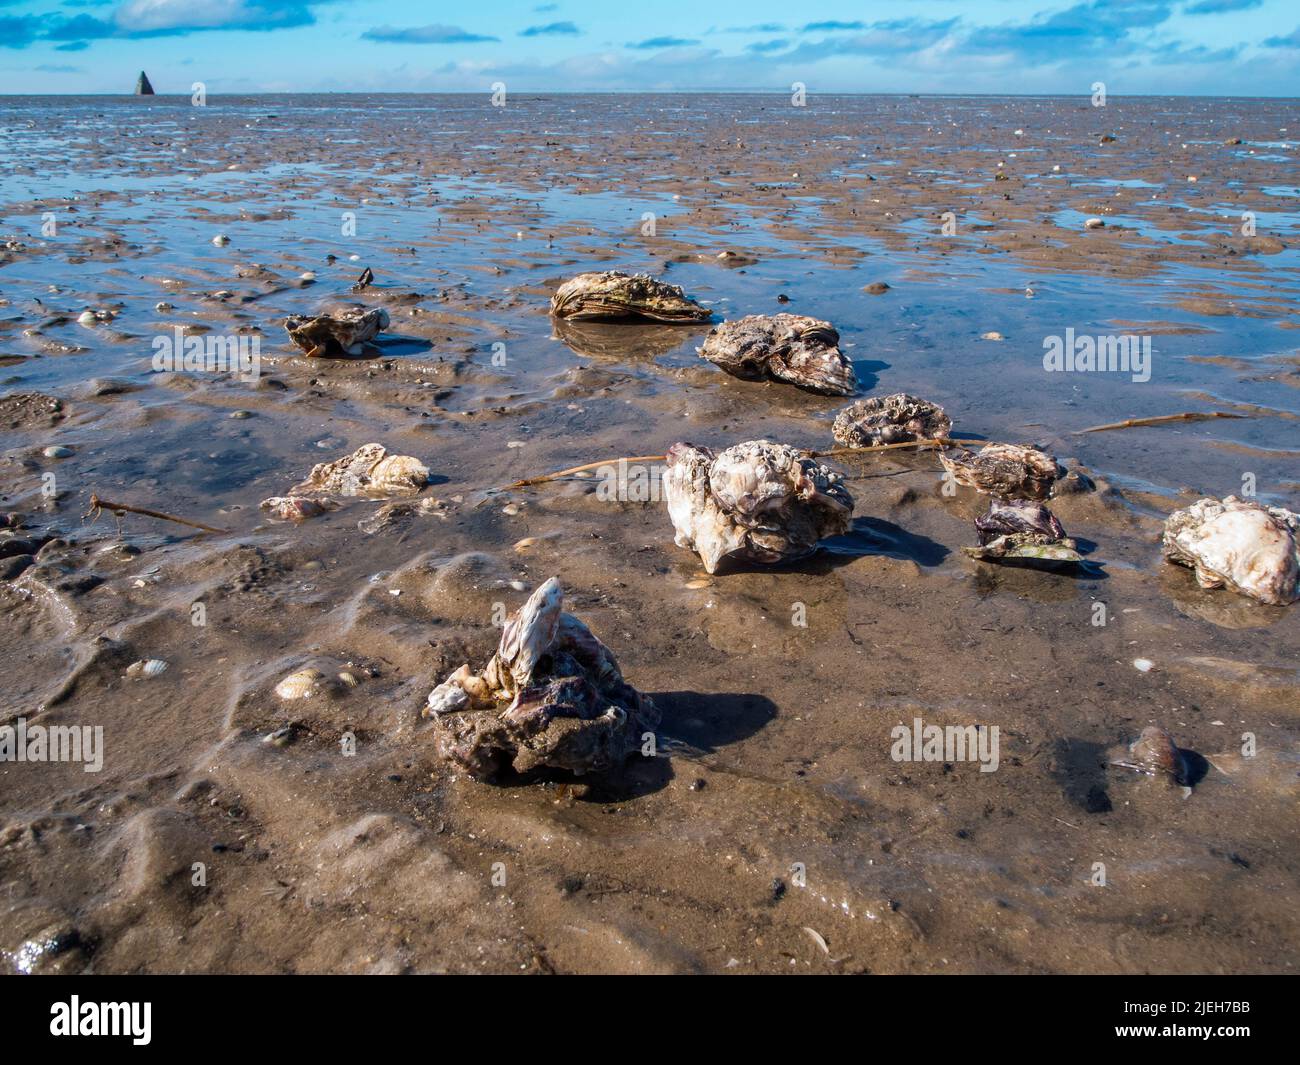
{"x": 755, "y": 502}
{"x": 783, "y": 347}
{"x": 552, "y": 696}
{"x": 370, "y": 470}
{"x": 1023, "y": 530}
{"x": 614, "y": 295}
{"x": 892, "y": 419}
{"x": 1239, "y": 544}
{"x": 1011, "y": 471}
{"x": 341, "y": 333}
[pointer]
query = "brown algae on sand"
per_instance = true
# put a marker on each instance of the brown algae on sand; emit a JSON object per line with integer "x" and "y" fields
{"x": 551, "y": 697}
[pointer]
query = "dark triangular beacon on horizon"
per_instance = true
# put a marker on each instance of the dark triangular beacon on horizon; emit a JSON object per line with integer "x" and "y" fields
{"x": 142, "y": 86}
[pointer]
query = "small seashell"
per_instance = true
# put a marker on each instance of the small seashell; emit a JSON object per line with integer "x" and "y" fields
{"x": 57, "y": 451}
{"x": 301, "y": 685}
{"x": 281, "y": 737}
{"x": 146, "y": 667}
{"x": 525, "y": 543}
{"x": 1154, "y": 752}
{"x": 87, "y": 318}
{"x": 307, "y": 275}
{"x": 516, "y": 443}
{"x": 991, "y": 336}
{"x": 1143, "y": 665}
{"x": 221, "y": 240}
{"x": 163, "y": 307}
{"x": 349, "y": 678}
{"x": 510, "y": 508}
{"x": 1093, "y": 223}
{"x": 698, "y": 584}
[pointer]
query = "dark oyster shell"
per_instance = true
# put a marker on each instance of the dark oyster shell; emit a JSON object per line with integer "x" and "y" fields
{"x": 794, "y": 348}
{"x": 551, "y": 697}
{"x": 339, "y": 334}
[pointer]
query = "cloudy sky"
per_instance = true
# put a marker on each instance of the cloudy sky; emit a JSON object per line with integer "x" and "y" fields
{"x": 1241, "y": 47}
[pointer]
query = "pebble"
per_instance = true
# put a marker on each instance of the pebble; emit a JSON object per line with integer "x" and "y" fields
{"x": 992, "y": 336}
{"x": 1093, "y": 223}
{"x": 57, "y": 451}
{"x": 238, "y": 414}
{"x": 221, "y": 240}
{"x": 281, "y": 737}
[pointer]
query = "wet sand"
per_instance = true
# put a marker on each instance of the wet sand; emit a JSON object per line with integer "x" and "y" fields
{"x": 773, "y": 805}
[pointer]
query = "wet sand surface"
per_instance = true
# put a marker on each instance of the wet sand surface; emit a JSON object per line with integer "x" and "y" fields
{"x": 773, "y": 805}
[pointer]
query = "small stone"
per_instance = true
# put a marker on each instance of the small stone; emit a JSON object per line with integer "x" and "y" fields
{"x": 57, "y": 451}
{"x": 221, "y": 240}
{"x": 1093, "y": 223}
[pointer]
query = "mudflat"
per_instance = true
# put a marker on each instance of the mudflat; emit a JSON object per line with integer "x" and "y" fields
{"x": 774, "y": 826}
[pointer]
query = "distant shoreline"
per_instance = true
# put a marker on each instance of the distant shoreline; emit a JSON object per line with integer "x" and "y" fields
{"x": 544, "y": 94}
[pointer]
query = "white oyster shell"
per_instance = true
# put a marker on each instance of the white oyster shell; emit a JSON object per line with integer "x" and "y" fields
{"x": 1239, "y": 544}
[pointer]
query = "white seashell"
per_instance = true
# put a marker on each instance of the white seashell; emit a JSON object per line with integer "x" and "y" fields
{"x": 525, "y": 543}
{"x": 1239, "y": 544}
{"x": 146, "y": 667}
{"x": 447, "y": 698}
{"x": 1093, "y": 223}
{"x": 57, "y": 451}
{"x": 301, "y": 685}
{"x": 991, "y": 336}
{"x": 221, "y": 240}
{"x": 349, "y": 678}
{"x": 1143, "y": 665}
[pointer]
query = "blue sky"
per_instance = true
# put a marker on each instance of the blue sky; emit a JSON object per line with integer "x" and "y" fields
{"x": 1240, "y": 47}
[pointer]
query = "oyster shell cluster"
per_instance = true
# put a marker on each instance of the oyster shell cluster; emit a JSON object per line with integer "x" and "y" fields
{"x": 611, "y": 294}
{"x": 894, "y": 419}
{"x": 1238, "y": 544}
{"x": 339, "y": 334}
{"x": 551, "y": 696}
{"x": 1022, "y": 529}
{"x": 754, "y": 502}
{"x": 793, "y": 348}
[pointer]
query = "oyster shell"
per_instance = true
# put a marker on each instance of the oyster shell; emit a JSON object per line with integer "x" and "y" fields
{"x": 1011, "y": 471}
{"x": 294, "y": 508}
{"x": 552, "y": 696}
{"x": 757, "y": 502}
{"x": 340, "y": 333}
{"x": 794, "y": 348}
{"x": 1238, "y": 544}
{"x": 1155, "y": 754}
{"x": 614, "y": 295}
{"x": 1021, "y": 529}
{"x": 370, "y": 470}
{"x": 889, "y": 420}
